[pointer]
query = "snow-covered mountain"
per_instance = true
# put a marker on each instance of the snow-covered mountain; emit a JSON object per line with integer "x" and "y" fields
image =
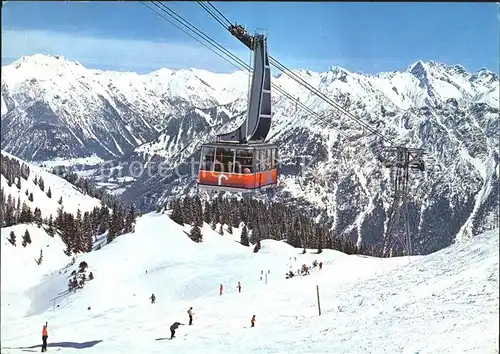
{"x": 53, "y": 107}
{"x": 156, "y": 123}
{"x": 422, "y": 304}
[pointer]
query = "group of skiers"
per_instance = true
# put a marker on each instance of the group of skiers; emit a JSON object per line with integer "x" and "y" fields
{"x": 190, "y": 312}
{"x": 221, "y": 288}
{"x": 173, "y": 327}
{"x": 78, "y": 283}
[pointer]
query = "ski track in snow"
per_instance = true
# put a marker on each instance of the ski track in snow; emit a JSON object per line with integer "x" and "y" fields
{"x": 446, "y": 302}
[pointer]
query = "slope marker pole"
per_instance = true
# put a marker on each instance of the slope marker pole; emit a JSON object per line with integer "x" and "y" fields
{"x": 319, "y": 305}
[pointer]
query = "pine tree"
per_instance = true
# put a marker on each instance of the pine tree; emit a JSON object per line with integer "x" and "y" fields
{"x": 207, "y": 216}
{"x": 79, "y": 245}
{"x": 60, "y": 201}
{"x": 26, "y": 192}
{"x": 294, "y": 239}
{"x": 30, "y": 198}
{"x": 68, "y": 233}
{"x": 229, "y": 229}
{"x": 244, "y": 236}
{"x": 221, "y": 230}
{"x": 256, "y": 236}
{"x": 185, "y": 208}
{"x": 50, "y": 230}
{"x": 49, "y": 193}
{"x": 39, "y": 261}
{"x": 41, "y": 184}
{"x": 198, "y": 211}
{"x": 60, "y": 218}
{"x": 320, "y": 239}
{"x": 257, "y": 247}
{"x": 26, "y": 238}
{"x": 26, "y": 216}
{"x": 195, "y": 234}
{"x": 18, "y": 184}
{"x": 113, "y": 226}
{"x": 10, "y": 212}
{"x": 12, "y": 238}
{"x": 103, "y": 219}
{"x": 176, "y": 212}
{"x": 120, "y": 220}
{"x": 37, "y": 217}
{"x": 88, "y": 240}
{"x": 18, "y": 210}
{"x": 234, "y": 216}
{"x": 35, "y": 180}
{"x": 130, "y": 220}
{"x": 213, "y": 225}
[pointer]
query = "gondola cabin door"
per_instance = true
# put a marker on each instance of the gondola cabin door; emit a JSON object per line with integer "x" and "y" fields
{"x": 237, "y": 167}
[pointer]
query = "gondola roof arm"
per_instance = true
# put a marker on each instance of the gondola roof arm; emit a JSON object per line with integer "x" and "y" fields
{"x": 242, "y": 35}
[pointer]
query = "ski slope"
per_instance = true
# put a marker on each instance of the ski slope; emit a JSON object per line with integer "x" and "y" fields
{"x": 446, "y": 302}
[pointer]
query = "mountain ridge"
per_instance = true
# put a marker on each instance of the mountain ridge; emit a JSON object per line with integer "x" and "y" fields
{"x": 163, "y": 119}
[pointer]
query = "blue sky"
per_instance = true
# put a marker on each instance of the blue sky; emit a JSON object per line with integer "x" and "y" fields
{"x": 364, "y": 37}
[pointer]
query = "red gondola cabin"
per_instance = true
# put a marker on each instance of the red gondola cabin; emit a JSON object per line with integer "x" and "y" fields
{"x": 237, "y": 167}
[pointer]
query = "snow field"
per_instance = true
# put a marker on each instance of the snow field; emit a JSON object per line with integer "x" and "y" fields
{"x": 446, "y": 302}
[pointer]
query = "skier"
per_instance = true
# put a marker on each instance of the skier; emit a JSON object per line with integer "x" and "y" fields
{"x": 45, "y": 335}
{"x": 173, "y": 327}
{"x": 153, "y": 298}
{"x": 220, "y": 289}
{"x": 190, "y": 313}
{"x": 239, "y": 287}
{"x": 252, "y": 321}
{"x": 320, "y": 265}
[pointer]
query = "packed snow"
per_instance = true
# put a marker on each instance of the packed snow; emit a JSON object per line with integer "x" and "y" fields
{"x": 446, "y": 302}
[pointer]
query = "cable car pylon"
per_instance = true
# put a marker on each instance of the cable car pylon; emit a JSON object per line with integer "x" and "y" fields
{"x": 397, "y": 234}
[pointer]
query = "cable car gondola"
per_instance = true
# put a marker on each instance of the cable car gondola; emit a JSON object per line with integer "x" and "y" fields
{"x": 241, "y": 160}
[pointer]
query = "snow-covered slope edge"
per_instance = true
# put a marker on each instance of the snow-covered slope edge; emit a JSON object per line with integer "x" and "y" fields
{"x": 72, "y": 198}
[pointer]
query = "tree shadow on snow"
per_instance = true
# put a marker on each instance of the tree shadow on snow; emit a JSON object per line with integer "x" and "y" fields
{"x": 73, "y": 345}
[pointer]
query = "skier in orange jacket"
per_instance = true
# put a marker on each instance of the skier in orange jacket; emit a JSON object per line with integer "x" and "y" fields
{"x": 45, "y": 335}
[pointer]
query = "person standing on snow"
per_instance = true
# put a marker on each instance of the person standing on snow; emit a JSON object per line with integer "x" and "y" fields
{"x": 220, "y": 289}
{"x": 239, "y": 287}
{"x": 153, "y": 298}
{"x": 320, "y": 265}
{"x": 45, "y": 335}
{"x": 252, "y": 321}
{"x": 190, "y": 313}
{"x": 173, "y": 327}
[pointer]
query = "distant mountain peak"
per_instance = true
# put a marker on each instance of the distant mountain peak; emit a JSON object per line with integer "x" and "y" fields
{"x": 418, "y": 68}
{"x": 44, "y": 59}
{"x": 337, "y": 69}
